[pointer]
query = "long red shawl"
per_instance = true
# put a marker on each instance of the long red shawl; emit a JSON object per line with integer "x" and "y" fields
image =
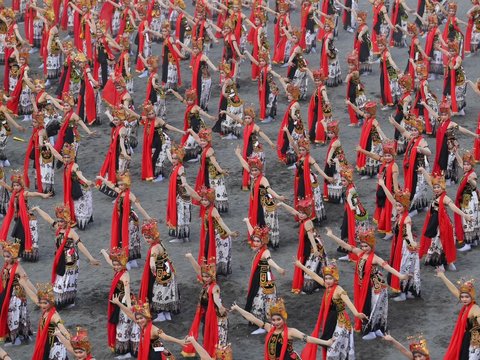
{"x": 280, "y": 137}
{"x": 468, "y": 35}
{"x": 59, "y": 253}
{"x": 421, "y": 95}
{"x": 203, "y": 168}
{"x": 24, "y": 218}
{"x": 297, "y": 282}
{"x": 325, "y": 184}
{"x": 14, "y": 102}
{"x": 284, "y": 345}
{"x": 254, "y": 201}
{"x": 409, "y": 163}
{"x": 125, "y": 221}
{"x": 360, "y": 287}
{"x": 172, "y": 52}
{"x": 280, "y": 39}
{"x": 396, "y": 252}
{"x": 61, "y": 133}
{"x": 458, "y": 198}
{"x": 262, "y": 91}
{"x": 4, "y": 331}
{"x": 366, "y": 129}
{"x": 441, "y": 137}
{"x": 453, "y": 351}
{"x": 33, "y": 144}
{"x": 255, "y": 262}
{"x": 186, "y": 123}
{"x": 212, "y": 245}
{"x": 324, "y": 54}
{"x": 147, "y": 273}
{"x": 112, "y": 328}
{"x": 383, "y": 216}
{"x": 42, "y": 335}
{"x": 140, "y": 66}
{"x": 317, "y": 105}
{"x": 247, "y": 132}
{"x": 453, "y": 85}
{"x": 351, "y": 224}
{"x": 148, "y": 134}
{"x": 171, "y": 218}
{"x": 88, "y": 100}
{"x": 67, "y": 189}
{"x": 387, "y": 90}
{"x": 307, "y": 183}
{"x": 376, "y": 12}
{"x": 109, "y": 165}
{"x": 145, "y": 341}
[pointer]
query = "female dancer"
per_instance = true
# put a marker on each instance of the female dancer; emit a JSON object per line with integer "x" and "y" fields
{"x": 399, "y": 18}
{"x": 25, "y": 231}
{"x": 155, "y": 90}
{"x": 381, "y": 24}
{"x": 362, "y": 44}
{"x": 262, "y": 210}
{"x": 319, "y": 108}
{"x": 279, "y": 340}
{"x": 65, "y": 267}
{"x": 404, "y": 251}
{"x": 432, "y": 48}
{"x": 123, "y": 336}
{"x": 416, "y": 156}
{"x": 425, "y": 94}
{"x": 125, "y": 228}
{"x": 310, "y": 250}
{"x": 76, "y": 187}
{"x": 472, "y": 34}
{"x": 452, "y": 31}
{"x": 328, "y": 55}
{"x": 179, "y": 203}
{"x": 14, "y": 314}
{"x": 306, "y": 184}
{"x": 210, "y": 310}
{"x": 210, "y": 174}
{"x": 215, "y": 236}
{"x": 438, "y": 242}
{"x": 416, "y": 52}
{"x": 48, "y": 345}
{"x": 467, "y": 201}
{"x": 261, "y": 286}
{"x": 221, "y": 352}
{"x": 252, "y": 148}
{"x": 78, "y": 345}
{"x": 462, "y": 344}
{"x": 280, "y": 53}
{"x": 332, "y": 318}
{"x": 389, "y": 173}
{"x": 297, "y": 64}
{"x": 335, "y": 158}
{"x": 403, "y": 108}
{"x": 454, "y": 86}
{"x": 355, "y": 89}
{"x": 151, "y": 337}
{"x": 159, "y": 285}
{"x": 20, "y": 102}
{"x": 389, "y": 89}
{"x": 6, "y": 123}
{"x": 370, "y": 288}
{"x": 417, "y": 350}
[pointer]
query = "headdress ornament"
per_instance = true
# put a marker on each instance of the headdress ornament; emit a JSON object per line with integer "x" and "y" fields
{"x": 264, "y": 55}
{"x": 224, "y": 352}
{"x": 418, "y": 345}
{"x": 68, "y": 98}
{"x": 142, "y": 309}
{"x": 119, "y": 255}
{"x": 352, "y": 59}
{"x": 371, "y": 108}
{"x": 152, "y": 61}
{"x": 148, "y": 107}
{"x": 412, "y": 28}
{"x": 452, "y": 5}
{"x": 166, "y": 25}
{"x": 68, "y": 150}
{"x": 445, "y": 107}
{"x": 362, "y": 15}
{"x": 197, "y": 43}
{"x": 205, "y": 134}
{"x": 304, "y": 142}
{"x": 24, "y": 53}
{"x": 225, "y": 67}
{"x": 388, "y": 147}
{"x": 12, "y": 248}
{"x": 331, "y": 269}
{"x": 249, "y": 111}
{"x": 382, "y": 40}
{"x": 255, "y": 162}
{"x": 179, "y": 151}
{"x": 124, "y": 177}
{"x": 262, "y": 233}
{"x": 453, "y": 46}
{"x": 346, "y": 172}
{"x": 306, "y": 206}
{"x": 17, "y": 177}
{"x": 45, "y": 292}
{"x": 40, "y": 83}
{"x": 433, "y": 19}
{"x": 283, "y": 6}
{"x": 209, "y": 267}
{"x": 62, "y": 212}
{"x": 421, "y": 70}
{"x": 80, "y": 57}
{"x": 229, "y": 24}
{"x": 150, "y": 229}
{"x": 80, "y": 341}
{"x": 294, "y": 91}
{"x": 277, "y": 307}
{"x": 414, "y": 122}
{"x": 438, "y": 179}
{"x": 468, "y": 158}
{"x": 329, "y": 22}
{"x": 333, "y": 127}
{"x": 319, "y": 75}
{"x": 206, "y": 193}
{"x": 406, "y": 82}
{"x": 368, "y": 237}
{"x": 190, "y": 94}
{"x": 467, "y": 287}
{"x": 39, "y": 118}
{"x": 120, "y": 113}
{"x": 403, "y": 197}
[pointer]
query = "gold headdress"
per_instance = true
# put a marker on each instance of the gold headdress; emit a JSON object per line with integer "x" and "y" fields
{"x": 406, "y": 82}
{"x": 283, "y": 6}
{"x": 368, "y": 237}
{"x": 264, "y": 55}
{"x": 205, "y": 134}
{"x": 166, "y": 25}
{"x": 438, "y": 179}
{"x": 255, "y": 162}
{"x": 452, "y": 5}
{"x": 418, "y": 345}
{"x": 331, "y": 269}
{"x": 190, "y": 95}
{"x": 150, "y": 229}
{"x": 80, "y": 57}
{"x": 179, "y": 151}
{"x": 39, "y": 82}
{"x": 68, "y": 150}
{"x": 45, "y": 292}
{"x": 403, "y": 197}
{"x": 414, "y": 122}
{"x": 224, "y": 352}
{"x": 68, "y": 98}
{"x": 352, "y": 59}
{"x": 329, "y": 22}
{"x": 206, "y": 193}
{"x": 209, "y": 267}
{"x": 467, "y": 287}
{"x": 80, "y": 341}
{"x": 346, "y": 172}
{"x": 294, "y": 91}
{"x": 262, "y": 233}
{"x": 225, "y": 67}
{"x": 259, "y": 14}
{"x": 421, "y": 70}
{"x": 304, "y": 143}
{"x": 332, "y": 126}
{"x": 278, "y": 308}
{"x": 102, "y": 26}
{"x": 433, "y": 19}
{"x": 229, "y": 24}
{"x": 412, "y": 28}
{"x": 180, "y": 4}
{"x": 8, "y": 13}
{"x": 468, "y": 158}
{"x": 197, "y": 43}
{"x": 124, "y": 177}
{"x": 306, "y": 206}
{"x": 362, "y": 15}
{"x": 62, "y": 212}
{"x": 142, "y": 309}
{"x": 12, "y": 248}
{"x": 382, "y": 40}
{"x": 371, "y": 108}
{"x": 39, "y": 118}
{"x": 152, "y": 61}
{"x": 453, "y": 46}
{"x": 17, "y": 177}
{"x": 388, "y": 147}
{"x": 119, "y": 255}
{"x": 319, "y": 75}
{"x": 249, "y": 111}
{"x": 24, "y": 53}
{"x": 119, "y": 113}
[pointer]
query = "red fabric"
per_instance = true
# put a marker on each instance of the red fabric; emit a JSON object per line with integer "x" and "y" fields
{"x": 376, "y": 12}
{"x": 351, "y": 113}
{"x": 468, "y": 35}
{"x": 44, "y": 48}
{"x": 320, "y": 135}
{"x": 206, "y": 214}
{"x": 78, "y": 31}
{"x": 4, "y": 331}
{"x": 110, "y": 163}
{"x": 125, "y": 221}
{"x": 30, "y": 14}
{"x": 106, "y": 14}
{"x": 171, "y": 218}
{"x": 384, "y": 215}
{"x": 253, "y": 206}
{"x": 112, "y": 328}
{"x": 6, "y": 72}
{"x": 66, "y": 85}
{"x": 441, "y": 137}
{"x": 42, "y": 336}
{"x": 310, "y": 350}
{"x": 453, "y": 351}
{"x": 14, "y": 101}
{"x": 351, "y": 225}
{"x": 426, "y": 115}
{"x": 203, "y": 168}
{"x": 307, "y": 184}
{"x": 262, "y": 92}
{"x": 167, "y": 42}
{"x": 148, "y": 134}
{"x": 24, "y": 218}
{"x": 280, "y": 137}
{"x": 140, "y": 66}
{"x": 360, "y": 287}
{"x": 453, "y": 84}
{"x": 186, "y": 123}
{"x": 145, "y": 282}
{"x": 366, "y": 128}
{"x": 324, "y": 10}
{"x": 256, "y": 261}
{"x": 110, "y": 93}
{"x": 297, "y": 282}
{"x": 409, "y": 164}
{"x": 412, "y": 55}
{"x": 476, "y": 143}
{"x": 33, "y": 144}
{"x": 59, "y": 253}
{"x": 280, "y": 39}
{"x": 284, "y": 344}
{"x": 324, "y": 54}
{"x": 67, "y": 189}
{"x": 123, "y": 23}
{"x": 458, "y": 198}
{"x": 395, "y": 10}
{"x": 247, "y": 132}
{"x": 396, "y": 252}
{"x": 89, "y": 100}
{"x": 64, "y": 19}
{"x": 254, "y": 41}
{"x": 292, "y": 51}
{"x": 96, "y": 64}
{"x": 145, "y": 340}
{"x": 325, "y": 184}
{"x": 451, "y": 21}
{"x": 195, "y": 63}
{"x": 446, "y": 233}
{"x": 199, "y": 29}
{"x": 387, "y": 90}
{"x": 61, "y": 133}
{"x": 210, "y": 329}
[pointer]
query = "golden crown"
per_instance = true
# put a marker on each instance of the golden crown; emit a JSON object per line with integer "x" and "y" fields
{"x": 142, "y": 309}
{"x": 294, "y": 91}
{"x": 367, "y": 236}
{"x": 80, "y": 340}
{"x": 438, "y": 179}
{"x": 179, "y": 151}
{"x": 403, "y": 197}
{"x": 418, "y": 345}
{"x": 190, "y": 94}
{"x": 388, "y": 147}
{"x": 68, "y": 150}
{"x": 371, "y": 108}
{"x": 68, "y": 98}
{"x": 206, "y": 193}
{"x": 39, "y": 83}
{"x": 306, "y": 206}
{"x": 62, "y": 211}
{"x": 262, "y": 233}
{"x": 406, "y": 81}
{"x": 249, "y": 111}
{"x": 332, "y": 126}
{"x": 346, "y": 172}
{"x": 223, "y": 352}
{"x": 467, "y": 287}
{"x": 209, "y": 267}
{"x": 150, "y": 229}
{"x": 17, "y": 177}
{"x": 414, "y": 122}
{"x": 331, "y": 269}
{"x": 45, "y": 292}
{"x": 468, "y": 158}
{"x": 11, "y": 247}
{"x": 304, "y": 143}
{"x": 277, "y": 307}
{"x": 255, "y": 162}
{"x": 205, "y": 134}
{"x": 124, "y": 177}
{"x": 119, "y": 255}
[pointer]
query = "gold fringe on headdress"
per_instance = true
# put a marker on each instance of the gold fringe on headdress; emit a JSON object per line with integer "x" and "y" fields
{"x": 119, "y": 255}
{"x": 80, "y": 341}
{"x": 12, "y": 248}
{"x": 277, "y": 307}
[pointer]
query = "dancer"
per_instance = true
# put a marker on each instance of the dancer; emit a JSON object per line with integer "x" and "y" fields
{"x": 355, "y": 89}
{"x": 389, "y": 88}
{"x": 418, "y": 349}
{"x": 403, "y": 108}
{"x": 319, "y": 108}
{"x": 329, "y": 63}
{"x": 381, "y": 26}
{"x": 454, "y": 86}
{"x": 78, "y": 345}
{"x": 334, "y": 160}
{"x": 362, "y": 44}
{"x": 65, "y": 267}
{"x": 159, "y": 285}
{"x": 425, "y": 94}
{"x": 222, "y": 352}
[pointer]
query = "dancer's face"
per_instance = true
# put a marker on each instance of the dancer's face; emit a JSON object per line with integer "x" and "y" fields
{"x": 467, "y": 166}
{"x": 388, "y": 157}
{"x": 174, "y": 160}
{"x": 80, "y": 354}
{"x": 204, "y": 202}
{"x": 465, "y": 298}
{"x": 418, "y": 356}
{"x": 365, "y": 247}
{"x": 414, "y": 132}
{"x": 122, "y": 186}
{"x": 248, "y": 119}
{"x": 44, "y": 305}
{"x": 344, "y": 182}
{"x": 206, "y": 278}
{"x": 8, "y": 257}
{"x": 16, "y": 186}
{"x": 303, "y": 151}
{"x": 141, "y": 320}
{"x": 66, "y": 107}
{"x": 61, "y": 223}
{"x": 277, "y": 321}
{"x": 66, "y": 159}
{"x": 203, "y": 143}
{"x": 330, "y": 134}
{"x": 165, "y": 33}
{"x": 151, "y": 114}
{"x": 302, "y": 216}
{"x": 437, "y": 189}
{"x": 399, "y": 208}
{"x": 116, "y": 266}
{"x": 329, "y": 281}
{"x": 255, "y": 172}
{"x": 295, "y": 39}
{"x": 256, "y": 243}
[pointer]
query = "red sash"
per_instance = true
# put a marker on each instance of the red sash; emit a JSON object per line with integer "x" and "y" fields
{"x": 451, "y": 20}
{"x": 468, "y": 35}
{"x": 351, "y": 113}
{"x": 280, "y": 137}
{"x": 145, "y": 340}
{"x": 112, "y": 328}
{"x": 395, "y": 11}
{"x": 384, "y": 215}
{"x": 366, "y": 129}
{"x": 376, "y": 12}
{"x": 195, "y": 66}
{"x": 106, "y": 14}
{"x": 125, "y": 221}
{"x": 61, "y": 133}
{"x": 64, "y": 19}
{"x": 14, "y": 101}
{"x": 305, "y": 11}
{"x": 212, "y": 245}
{"x": 203, "y": 168}
{"x": 324, "y": 54}
{"x": 172, "y": 52}
{"x": 247, "y": 132}
{"x": 396, "y": 252}
{"x": 110, "y": 163}
{"x": 320, "y": 135}
{"x": 88, "y": 101}
{"x": 23, "y": 215}
{"x": 67, "y": 189}
{"x": 307, "y": 183}
{"x": 186, "y": 122}
{"x": 409, "y": 163}
{"x": 360, "y": 287}
{"x": 284, "y": 344}
{"x": 30, "y": 14}
{"x": 453, "y": 85}
{"x": 412, "y": 55}
{"x": 387, "y": 90}
{"x": 441, "y": 137}
{"x": 150, "y": 87}
{"x": 42, "y": 335}
{"x": 59, "y": 253}
{"x": 4, "y": 331}
{"x": 458, "y": 198}
{"x": 297, "y": 283}
{"x": 455, "y": 347}
{"x": 310, "y": 350}
{"x": 253, "y": 206}
{"x": 33, "y": 144}
{"x": 140, "y": 66}
{"x": 256, "y": 261}
{"x": 66, "y": 84}
{"x": 254, "y": 41}
{"x": 171, "y": 218}
{"x": 426, "y": 115}
{"x": 147, "y": 273}
{"x": 280, "y": 39}
{"x": 148, "y": 134}
{"x": 325, "y": 184}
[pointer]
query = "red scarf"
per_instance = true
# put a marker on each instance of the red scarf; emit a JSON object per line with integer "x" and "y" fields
{"x": 42, "y": 335}
{"x": 396, "y": 252}
{"x": 256, "y": 261}
{"x": 376, "y": 12}
{"x": 88, "y": 99}
{"x": 451, "y": 20}
{"x": 387, "y": 90}
{"x": 310, "y": 350}
{"x": 22, "y": 214}
{"x": 203, "y": 168}
{"x": 171, "y": 50}
{"x": 44, "y": 47}
{"x": 446, "y": 233}
{"x": 61, "y": 133}
{"x": 458, "y": 198}
{"x": 383, "y": 216}
{"x": 145, "y": 341}
{"x": 125, "y": 221}
{"x": 297, "y": 283}
{"x": 4, "y": 331}
{"x": 112, "y": 328}
{"x": 14, "y": 101}
{"x": 476, "y": 143}
{"x": 324, "y": 54}
{"x": 280, "y": 137}
{"x": 64, "y": 19}
{"x": 409, "y": 163}
{"x": 351, "y": 223}
{"x": 33, "y": 144}
{"x": 421, "y": 95}
{"x": 186, "y": 123}
{"x": 453, "y": 85}
{"x": 441, "y": 137}
{"x": 395, "y": 11}
{"x": 171, "y": 218}
{"x": 110, "y": 163}
{"x": 253, "y": 38}
{"x": 366, "y": 129}
{"x": 430, "y": 42}
{"x": 96, "y": 64}
{"x": 140, "y": 66}
{"x": 150, "y": 87}
{"x": 325, "y": 184}
{"x": 262, "y": 91}
{"x": 280, "y": 39}
{"x": 254, "y": 201}
{"x": 106, "y": 14}
{"x": 247, "y": 132}
{"x": 198, "y": 30}
{"x": 59, "y": 252}
{"x": 148, "y": 134}
{"x": 360, "y": 287}
{"x": 206, "y": 213}
{"x": 455, "y": 347}
{"x": 66, "y": 83}
{"x": 468, "y": 35}
{"x": 30, "y": 14}
{"x": 284, "y": 345}
{"x": 317, "y": 104}
{"x": 412, "y": 55}
{"x": 210, "y": 332}
{"x": 123, "y": 23}
{"x": 307, "y": 183}
{"x": 67, "y": 189}
{"x": 147, "y": 273}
